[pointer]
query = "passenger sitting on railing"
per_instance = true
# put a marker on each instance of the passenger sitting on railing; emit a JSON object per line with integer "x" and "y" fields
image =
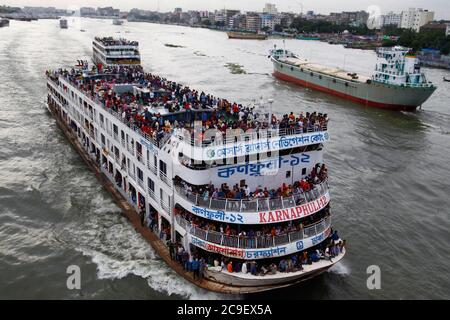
{"x": 282, "y": 266}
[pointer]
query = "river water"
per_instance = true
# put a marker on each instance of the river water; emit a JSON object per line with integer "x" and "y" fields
{"x": 389, "y": 171}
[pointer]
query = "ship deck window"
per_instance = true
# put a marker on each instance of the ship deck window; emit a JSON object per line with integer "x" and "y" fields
{"x": 151, "y": 184}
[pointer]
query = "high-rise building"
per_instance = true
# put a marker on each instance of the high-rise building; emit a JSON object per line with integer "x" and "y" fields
{"x": 415, "y": 18}
{"x": 230, "y": 14}
{"x": 270, "y": 8}
{"x": 391, "y": 19}
{"x": 253, "y": 21}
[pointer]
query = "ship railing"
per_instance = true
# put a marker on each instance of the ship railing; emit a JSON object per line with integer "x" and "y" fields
{"x": 131, "y": 174}
{"x": 140, "y": 182}
{"x": 130, "y": 148}
{"x": 165, "y": 205}
{"x": 164, "y": 178}
{"x": 257, "y": 134}
{"x": 151, "y": 166}
{"x": 151, "y": 193}
{"x": 254, "y": 205}
{"x": 95, "y": 99}
{"x": 140, "y": 157}
{"x": 256, "y": 242}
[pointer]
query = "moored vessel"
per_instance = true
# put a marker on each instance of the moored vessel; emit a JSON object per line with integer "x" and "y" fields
{"x": 238, "y": 197}
{"x": 397, "y": 82}
{"x": 117, "y": 22}
{"x": 247, "y": 35}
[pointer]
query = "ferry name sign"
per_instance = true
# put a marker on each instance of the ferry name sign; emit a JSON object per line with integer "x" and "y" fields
{"x": 264, "y": 217}
{"x": 243, "y": 148}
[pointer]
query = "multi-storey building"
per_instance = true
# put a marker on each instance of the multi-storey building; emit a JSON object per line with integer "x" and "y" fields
{"x": 415, "y": 18}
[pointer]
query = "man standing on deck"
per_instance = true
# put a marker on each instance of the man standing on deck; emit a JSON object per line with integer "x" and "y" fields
{"x": 142, "y": 214}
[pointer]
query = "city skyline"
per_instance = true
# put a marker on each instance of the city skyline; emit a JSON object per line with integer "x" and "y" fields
{"x": 324, "y": 6}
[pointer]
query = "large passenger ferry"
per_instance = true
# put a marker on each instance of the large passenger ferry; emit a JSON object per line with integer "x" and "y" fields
{"x": 234, "y": 198}
{"x": 115, "y": 52}
{"x": 396, "y": 84}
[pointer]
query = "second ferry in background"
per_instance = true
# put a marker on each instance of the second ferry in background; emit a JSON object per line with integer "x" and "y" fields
{"x": 396, "y": 84}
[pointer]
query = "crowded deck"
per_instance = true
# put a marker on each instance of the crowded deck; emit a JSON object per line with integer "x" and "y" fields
{"x": 157, "y": 107}
{"x": 214, "y": 226}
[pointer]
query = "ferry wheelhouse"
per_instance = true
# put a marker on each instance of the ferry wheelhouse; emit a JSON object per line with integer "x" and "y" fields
{"x": 115, "y": 52}
{"x": 238, "y": 196}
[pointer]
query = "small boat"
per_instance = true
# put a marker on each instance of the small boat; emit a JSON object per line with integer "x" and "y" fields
{"x": 117, "y": 22}
{"x": 63, "y": 24}
{"x": 445, "y": 79}
{"x": 82, "y": 30}
{"x": 4, "y": 23}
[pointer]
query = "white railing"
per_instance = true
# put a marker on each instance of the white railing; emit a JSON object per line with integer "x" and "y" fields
{"x": 130, "y": 148}
{"x": 224, "y": 139}
{"x": 256, "y": 242}
{"x": 151, "y": 193}
{"x": 140, "y": 157}
{"x": 152, "y": 167}
{"x": 131, "y": 174}
{"x": 165, "y": 206}
{"x": 165, "y": 179}
{"x": 254, "y": 205}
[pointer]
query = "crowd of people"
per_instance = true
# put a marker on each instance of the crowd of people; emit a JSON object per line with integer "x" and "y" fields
{"x": 137, "y": 108}
{"x": 249, "y": 231}
{"x": 318, "y": 175}
{"x": 199, "y": 261}
{"x": 110, "y": 41}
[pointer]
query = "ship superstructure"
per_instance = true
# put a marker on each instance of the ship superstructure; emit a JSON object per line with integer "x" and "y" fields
{"x": 240, "y": 196}
{"x": 397, "y": 82}
{"x": 109, "y": 51}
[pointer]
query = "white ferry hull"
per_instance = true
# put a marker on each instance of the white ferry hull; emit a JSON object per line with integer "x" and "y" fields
{"x": 370, "y": 94}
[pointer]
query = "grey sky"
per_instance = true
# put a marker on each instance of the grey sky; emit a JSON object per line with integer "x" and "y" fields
{"x": 441, "y": 7}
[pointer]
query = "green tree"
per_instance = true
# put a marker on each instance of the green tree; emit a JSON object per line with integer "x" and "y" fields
{"x": 278, "y": 28}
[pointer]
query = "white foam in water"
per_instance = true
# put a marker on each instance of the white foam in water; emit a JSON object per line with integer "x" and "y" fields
{"x": 118, "y": 251}
{"x": 340, "y": 268}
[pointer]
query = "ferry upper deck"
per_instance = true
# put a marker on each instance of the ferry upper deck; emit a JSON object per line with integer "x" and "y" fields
{"x": 159, "y": 109}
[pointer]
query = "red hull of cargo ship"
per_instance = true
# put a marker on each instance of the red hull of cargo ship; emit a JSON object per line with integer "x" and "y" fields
{"x": 303, "y": 83}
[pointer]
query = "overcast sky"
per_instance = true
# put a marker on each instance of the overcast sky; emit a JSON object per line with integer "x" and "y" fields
{"x": 441, "y": 7}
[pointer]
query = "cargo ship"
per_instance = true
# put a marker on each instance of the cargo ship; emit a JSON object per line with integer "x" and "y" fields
{"x": 232, "y": 212}
{"x": 247, "y": 35}
{"x": 397, "y": 82}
